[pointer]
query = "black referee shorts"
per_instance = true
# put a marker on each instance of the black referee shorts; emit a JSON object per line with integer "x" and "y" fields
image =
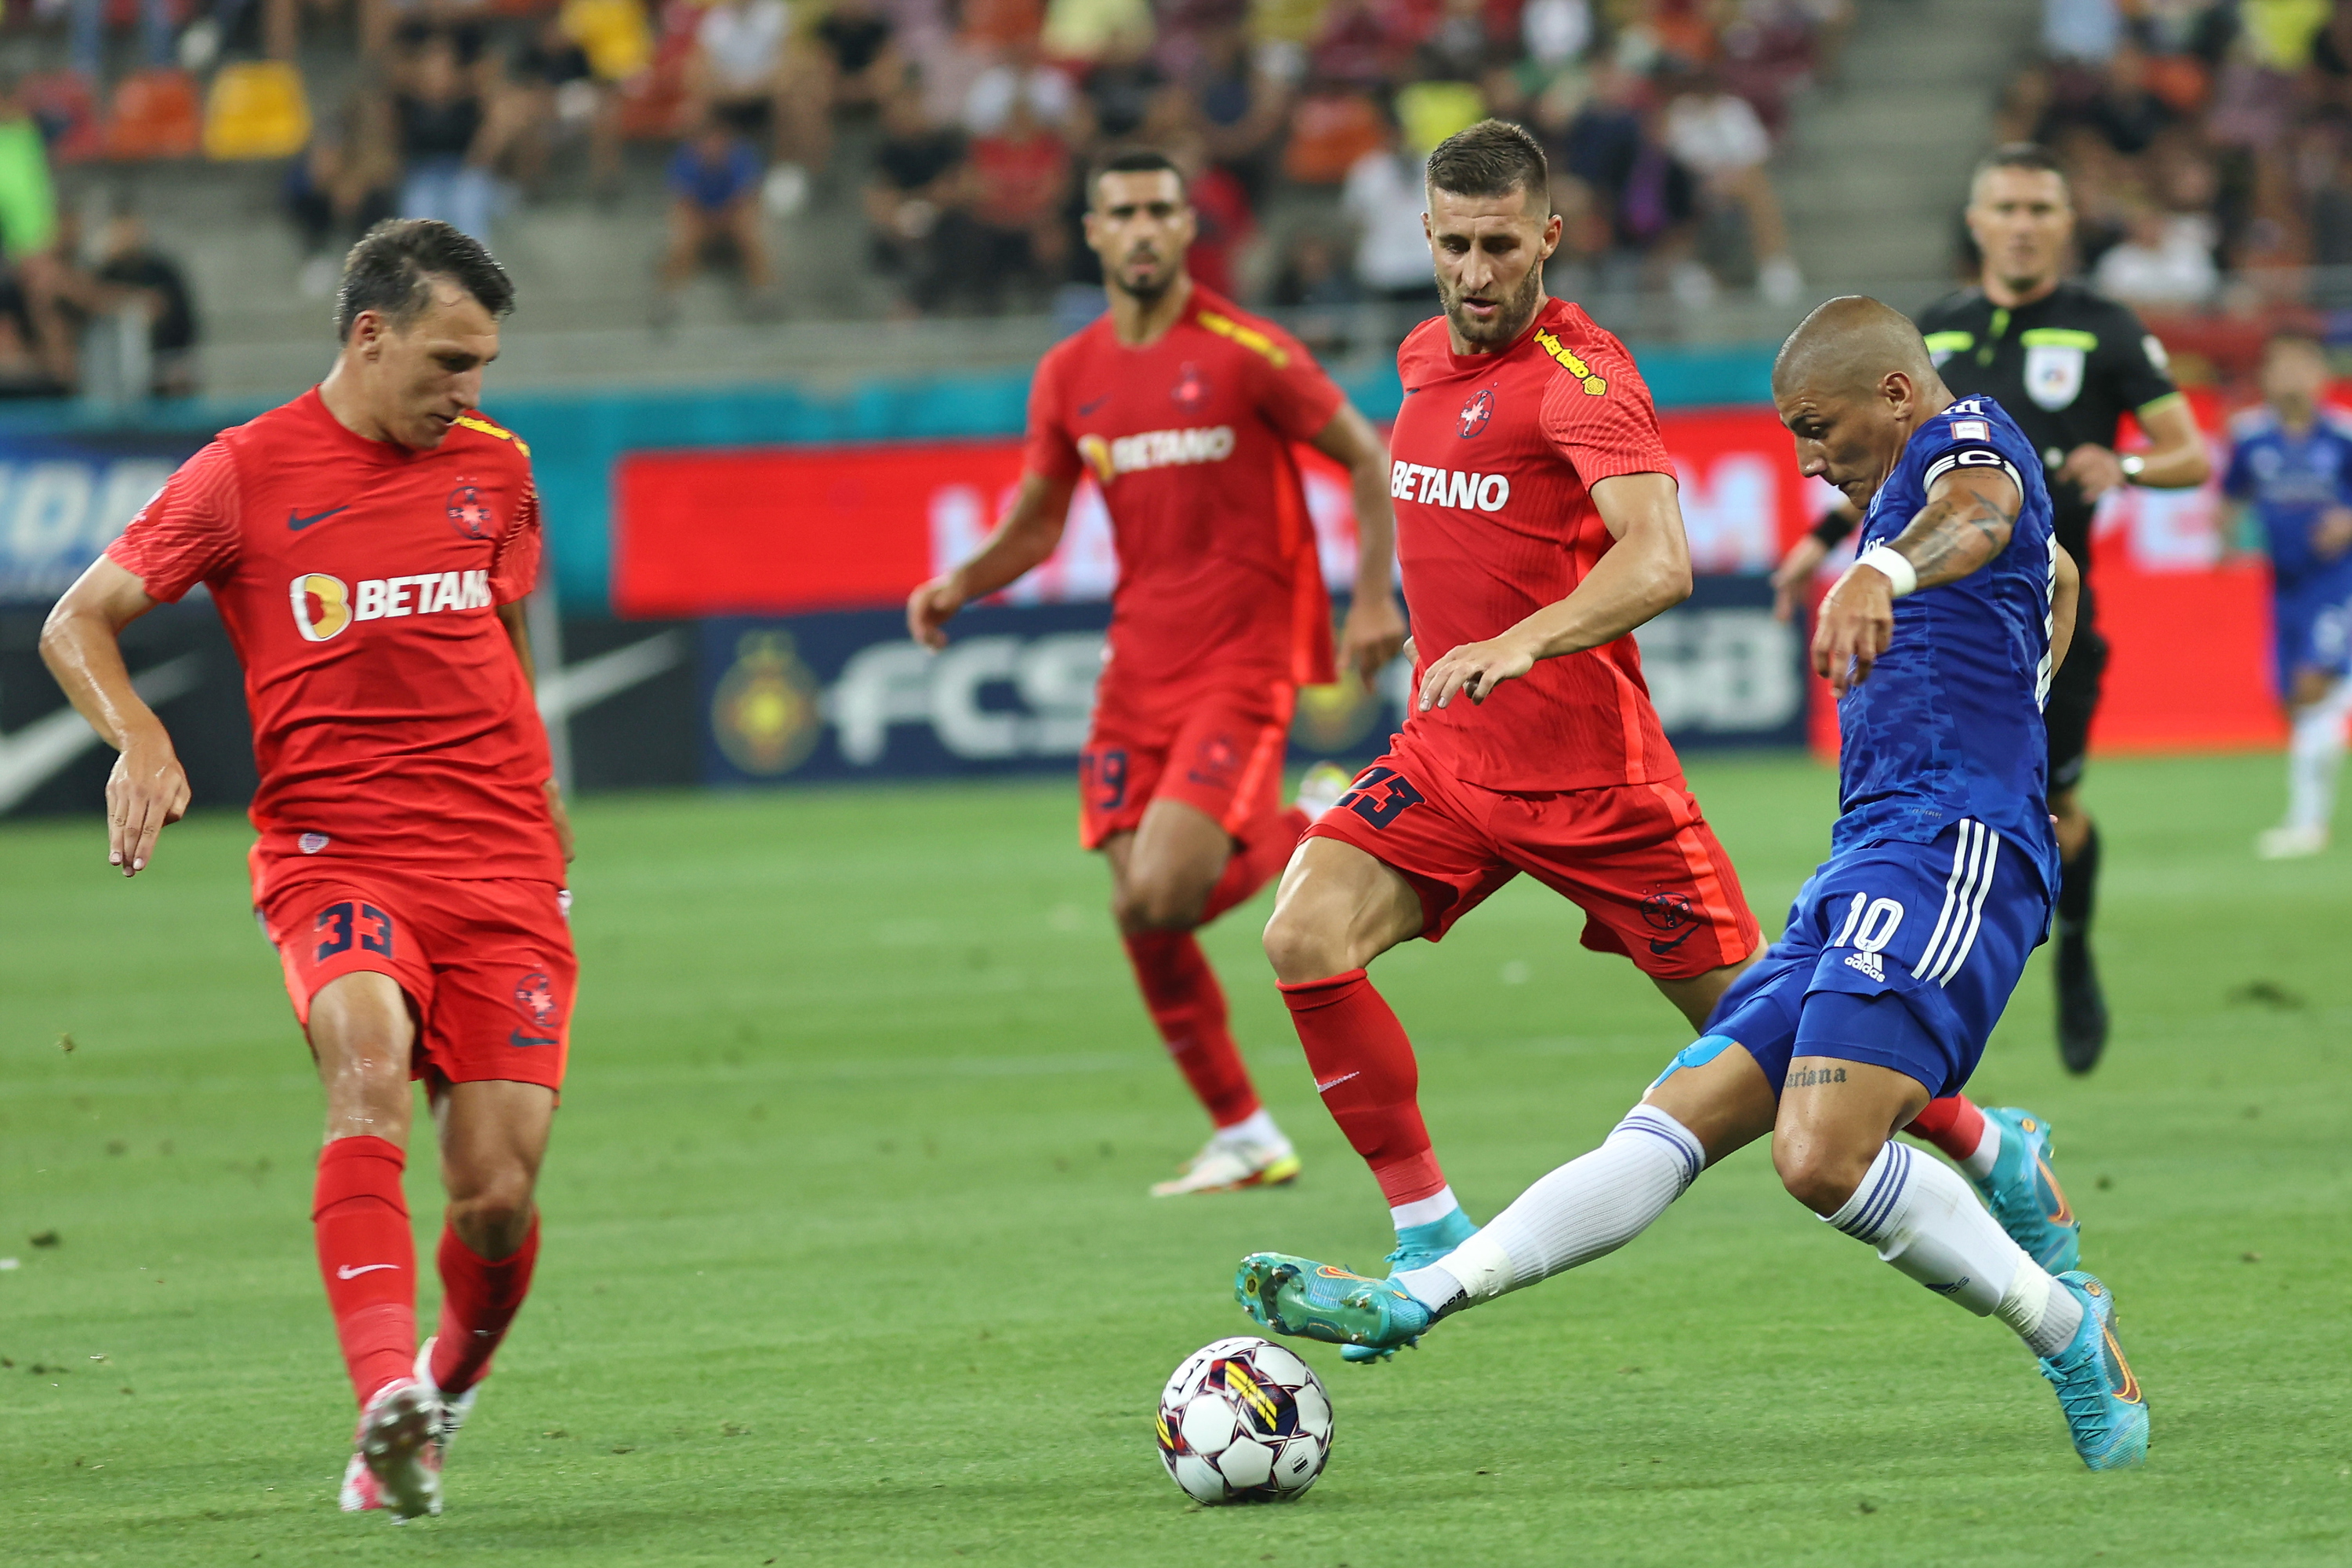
{"x": 2074, "y": 697}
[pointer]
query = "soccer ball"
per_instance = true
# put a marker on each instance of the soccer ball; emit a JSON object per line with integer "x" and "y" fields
{"x": 1243, "y": 1421}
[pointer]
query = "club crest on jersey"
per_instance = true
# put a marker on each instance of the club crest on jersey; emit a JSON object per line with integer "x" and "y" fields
{"x": 1477, "y": 411}
{"x": 535, "y": 995}
{"x": 1570, "y": 361}
{"x": 1192, "y": 388}
{"x": 468, "y": 514}
{"x": 323, "y": 605}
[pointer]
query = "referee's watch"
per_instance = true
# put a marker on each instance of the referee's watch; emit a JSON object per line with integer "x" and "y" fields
{"x": 2133, "y": 465}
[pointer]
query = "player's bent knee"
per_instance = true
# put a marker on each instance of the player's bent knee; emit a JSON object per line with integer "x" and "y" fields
{"x": 1819, "y": 1176}
{"x": 1301, "y": 948}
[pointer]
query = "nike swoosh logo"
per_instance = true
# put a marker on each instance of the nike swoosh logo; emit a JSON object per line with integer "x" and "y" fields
{"x": 297, "y": 523}
{"x": 1659, "y": 948}
{"x": 348, "y": 1272}
{"x": 1323, "y": 1088}
{"x": 1087, "y": 408}
{"x": 517, "y": 1037}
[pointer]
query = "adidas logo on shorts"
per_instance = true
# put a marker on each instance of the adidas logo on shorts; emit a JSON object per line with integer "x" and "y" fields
{"x": 1868, "y": 964}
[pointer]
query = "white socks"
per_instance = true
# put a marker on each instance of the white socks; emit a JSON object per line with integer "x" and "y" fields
{"x": 2315, "y": 750}
{"x": 1424, "y": 1211}
{"x": 1256, "y": 1128}
{"x": 1589, "y": 1207}
{"x": 1988, "y": 1151}
{"x": 1924, "y": 1221}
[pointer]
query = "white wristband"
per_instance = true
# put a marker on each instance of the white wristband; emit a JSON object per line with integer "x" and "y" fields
{"x": 1886, "y": 559}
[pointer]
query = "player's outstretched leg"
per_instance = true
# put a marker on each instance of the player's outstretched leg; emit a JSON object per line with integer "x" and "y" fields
{"x": 1921, "y": 1217}
{"x": 2007, "y": 1154}
{"x": 1176, "y": 872}
{"x": 2083, "y": 1020}
{"x": 2314, "y": 752}
{"x": 494, "y": 1134}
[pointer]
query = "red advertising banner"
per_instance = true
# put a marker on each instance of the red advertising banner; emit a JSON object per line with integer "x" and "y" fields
{"x": 790, "y": 531}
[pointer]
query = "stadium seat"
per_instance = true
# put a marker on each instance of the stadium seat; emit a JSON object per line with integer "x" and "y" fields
{"x": 156, "y": 115}
{"x": 257, "y": 109}
{"x": 1329, "y": 132}
{"x": 67, "y": 109}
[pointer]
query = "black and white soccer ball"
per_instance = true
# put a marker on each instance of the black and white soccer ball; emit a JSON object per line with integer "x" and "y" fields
{"x": 1244, "y": 1420}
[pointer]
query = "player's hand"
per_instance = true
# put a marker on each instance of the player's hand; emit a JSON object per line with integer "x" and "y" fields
{"x": 147, "y": 790}
{"x": 562, "y": 820}
{"x": 2094, "y": 469}
{"x": 1373, "y": 635}
{"x": 1796, "y": 570}
{"x": 1856, "y": 623}
{"x": 930, "y": 607}
{"x": 2333, "y": 537}
{"x": 1474, "y": 670}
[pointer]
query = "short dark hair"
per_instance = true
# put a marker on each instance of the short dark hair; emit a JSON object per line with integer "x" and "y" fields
{"x": 391, "y": 268}
{"x": 2031, "y": 156}
{"x": 1131, "y": 161}
{"x": 1492, "y": 158}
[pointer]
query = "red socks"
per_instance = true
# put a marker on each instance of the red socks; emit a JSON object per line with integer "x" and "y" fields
{"x": 1364, "y": 1069}
{"x": 1255, "y": 864}
{"x": 1185, "y": 1001}
{"x": 478, "y": 1299}
{"x": 368, "y": 1259}
{"x": 1952, "y": 1125}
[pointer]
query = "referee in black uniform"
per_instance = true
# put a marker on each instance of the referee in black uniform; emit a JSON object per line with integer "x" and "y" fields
{"x": 2067, "y": 364}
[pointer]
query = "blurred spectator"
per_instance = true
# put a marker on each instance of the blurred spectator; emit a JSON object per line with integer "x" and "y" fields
{"x": 558, "y": 93}
{"x": 2081, "y": 30}
{"x": 1242, "y": 107}
{"x": 344, "y": 183}
{"x": 1640, "y": 192}
{"x": 2126, "y": 113}
{"x": 2166, "y": 260}
{"x": 918, "y": 173}
{"x": 131, "y": 266}
{"x": 1082, "y": 30}
{"x": 1717, "y": 136}
{"x": 739, "y": 77}
{"x": 447, "y": 142}
{"x": 1313, "y": 274}
{"x": 714, "y": 216}
{"x": 1384, "y": 198}
{"x": 28, "y": 200}
{"x": 1002, "y": 236}
{"x": 858, "y": 62}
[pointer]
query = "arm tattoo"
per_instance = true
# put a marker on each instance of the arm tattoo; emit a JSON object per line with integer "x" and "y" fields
{"x": 1953, "y": 535}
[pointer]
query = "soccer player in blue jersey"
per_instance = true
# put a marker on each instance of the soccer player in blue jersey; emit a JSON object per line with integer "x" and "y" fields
{"x": 1901, "y": 950}
{"x": 2291, "y": 468}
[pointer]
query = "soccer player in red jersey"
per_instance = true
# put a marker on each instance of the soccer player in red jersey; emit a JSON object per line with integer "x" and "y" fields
{"x": 1185, "y": 410}
{"x": 367, "y": 546}
{"x": 1538, "y": 526}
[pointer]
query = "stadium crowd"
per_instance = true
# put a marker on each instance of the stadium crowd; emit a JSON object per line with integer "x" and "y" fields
{"x": 2209, "y": 144}
{"x": 955, "y": 125}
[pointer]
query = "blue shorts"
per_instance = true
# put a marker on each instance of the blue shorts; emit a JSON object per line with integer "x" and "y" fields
{"x": 1898, "y": 954}
{"x": 2314, "y": 625}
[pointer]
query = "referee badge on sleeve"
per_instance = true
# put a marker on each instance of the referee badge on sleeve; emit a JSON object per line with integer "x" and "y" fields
{"x": 2053, "y": 373}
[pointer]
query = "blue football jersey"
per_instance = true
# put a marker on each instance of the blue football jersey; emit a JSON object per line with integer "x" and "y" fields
{"x": 2288, "y": 481}
{"x": 1948, "y": 724}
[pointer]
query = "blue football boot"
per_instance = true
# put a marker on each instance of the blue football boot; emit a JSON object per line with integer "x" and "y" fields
{"x": 2105, "y": 1411}
{"x": 1418, "y": 1246}
{"x": 1306, "y": 1300}
{"x": 2025, "y": 1196}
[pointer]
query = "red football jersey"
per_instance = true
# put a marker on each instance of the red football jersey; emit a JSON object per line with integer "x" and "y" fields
{"x": 1491, "y": 464}
{"x": 359, "y": 581}
{"x": 1190, "y": 438}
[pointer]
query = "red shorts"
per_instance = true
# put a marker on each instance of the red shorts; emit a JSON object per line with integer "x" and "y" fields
{"x": 486, "y": 964}
{"x": 1638, "y": 859}
{"x": 1221, "y": 753}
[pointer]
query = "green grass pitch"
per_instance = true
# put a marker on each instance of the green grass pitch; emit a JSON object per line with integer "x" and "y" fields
{"x": 848, "y": 1258}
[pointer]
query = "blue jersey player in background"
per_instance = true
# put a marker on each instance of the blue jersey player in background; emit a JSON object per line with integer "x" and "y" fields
{"x": 1901, "y": 950}
{"x": 2291, "y": 471}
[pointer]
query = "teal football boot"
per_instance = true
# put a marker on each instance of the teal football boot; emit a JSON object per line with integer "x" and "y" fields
{"x": 2025, "y": 1196}
{"x": 1306, "y": 1300}
{"x": 1417, "y": 1247}
{"x": 2106, "y": 1414}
